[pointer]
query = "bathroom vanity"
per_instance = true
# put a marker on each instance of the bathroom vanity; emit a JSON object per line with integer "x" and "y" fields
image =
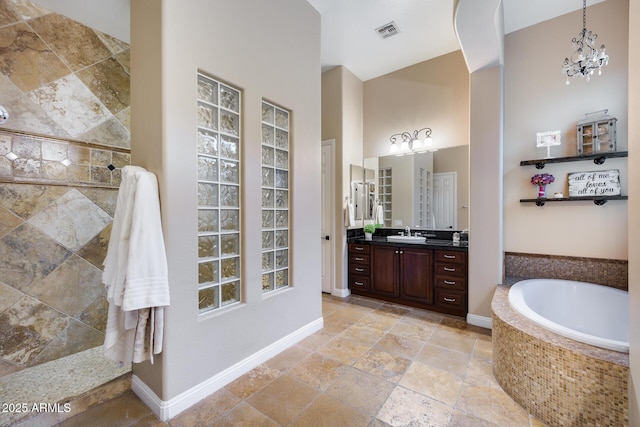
{"x": 430, "y": 275}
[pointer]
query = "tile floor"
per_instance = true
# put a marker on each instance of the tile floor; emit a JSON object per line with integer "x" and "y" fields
{"x": 373, "y": 364}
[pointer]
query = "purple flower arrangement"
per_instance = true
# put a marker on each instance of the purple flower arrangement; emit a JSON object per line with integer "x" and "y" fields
{"x": 542, "y": 179}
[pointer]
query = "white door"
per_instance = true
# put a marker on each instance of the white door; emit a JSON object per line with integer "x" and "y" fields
{"x": 445, "y": 200}
{"x": 326, "y": 196}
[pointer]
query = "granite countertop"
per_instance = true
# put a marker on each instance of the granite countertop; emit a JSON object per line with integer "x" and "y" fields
{"x": 429, "y": 244}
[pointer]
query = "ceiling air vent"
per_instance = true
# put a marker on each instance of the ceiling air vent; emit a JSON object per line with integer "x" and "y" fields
{"x": 388, "y": 30}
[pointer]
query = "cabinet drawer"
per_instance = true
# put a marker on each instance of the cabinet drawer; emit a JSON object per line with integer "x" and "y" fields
{"x": 457, "y": 257}
{"x": 451, "y": 269}
{"x": 359, "y": 258}
{"x": 359, "y": 283}
{"x": 359, "y": 249}
{"x": 361, "y": 269}
{"x": 451, "y": 282}
{"x": 450, "y": 298}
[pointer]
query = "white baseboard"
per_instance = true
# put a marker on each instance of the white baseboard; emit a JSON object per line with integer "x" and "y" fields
{"x": 167, "y": 409}
{"x": 482, "y": 321}
{"x": 341, "y": 293}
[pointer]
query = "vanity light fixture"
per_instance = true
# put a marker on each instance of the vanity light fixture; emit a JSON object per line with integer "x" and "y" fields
{"x": 586, "y": 58}
{"x": 409, "y": 143}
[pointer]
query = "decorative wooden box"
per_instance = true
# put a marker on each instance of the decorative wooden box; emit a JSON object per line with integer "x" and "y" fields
{"x": 596, "y": 133}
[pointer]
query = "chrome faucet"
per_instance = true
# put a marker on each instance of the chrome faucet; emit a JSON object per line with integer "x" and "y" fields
{"x": 408, "y": 229}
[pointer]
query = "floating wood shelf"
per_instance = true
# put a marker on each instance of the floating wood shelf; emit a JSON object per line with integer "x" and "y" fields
{"x": 597, "y": 200}
{"x": 598, "y": 159}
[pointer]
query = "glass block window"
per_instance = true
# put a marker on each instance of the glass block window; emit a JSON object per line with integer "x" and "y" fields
{"x": 275, "y": 197}
{"x": 218, "y": 165}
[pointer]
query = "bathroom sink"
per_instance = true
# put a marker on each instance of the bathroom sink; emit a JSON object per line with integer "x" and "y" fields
{"x": 407, "y": 239}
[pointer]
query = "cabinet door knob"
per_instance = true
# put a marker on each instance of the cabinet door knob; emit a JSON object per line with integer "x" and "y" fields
{"x": 449, "y": 256}
{"x": 359, "y": 283}
{"x": 449, "y": 269}
{"x": 359, "y": 269}
{"x": 449, "y": 299}
{"x": 449, "y": 282}
{"x": 359, "y": 259}
{"x": 359, "y": 248}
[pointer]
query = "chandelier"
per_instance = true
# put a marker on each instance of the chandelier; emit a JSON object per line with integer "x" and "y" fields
{"x": 586, "y": 58}
{"x": 409, "y": 143}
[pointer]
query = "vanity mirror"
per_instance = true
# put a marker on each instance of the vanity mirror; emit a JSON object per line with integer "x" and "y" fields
{"x": 363, "y": 190}
{"x": 424, "y": 190}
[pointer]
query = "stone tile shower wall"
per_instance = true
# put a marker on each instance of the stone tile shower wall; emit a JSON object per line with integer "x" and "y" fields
{"x": 60, "y": 78}
{"x": 66, "y": 87}
{"x": 52, "y": 243}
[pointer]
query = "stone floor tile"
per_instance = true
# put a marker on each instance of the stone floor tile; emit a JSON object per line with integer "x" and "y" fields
{"x": 449, "y": 338}
{"x": 448, "y": 360}
{"x": 363, "y": 334}
{"x": 288, "y": 358}
{"x": 253, "y": 381}
{"x": 334, "y": 326}
{"x": 318, "y": 371}
{"x": 483, "y": 348}
{"x": 315, "y": 340}
{"x": 413, "y": 331}
{"x": 329, "y": 412}
{"x": 244, "y": 415}
{"x": 407, "y": 408}
{"x": 121, "y": 411}
{"x": 284, "y": 399}
{"x": 378, "y": 321}
{"x": 207, "y": 410}
{"x": 348, "y": 314}
{"x": 491, "y": 404}
{"x": 362, "y": 391}
{"x": 399, "y": 346}
{"x": 462, "y": 419}
{"x": 343, "y": 350}
{"x": 383, "y": 365}
{"x": 432, "y": 382}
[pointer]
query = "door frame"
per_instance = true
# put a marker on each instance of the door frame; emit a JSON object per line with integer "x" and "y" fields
{"x": 331, "y": 244}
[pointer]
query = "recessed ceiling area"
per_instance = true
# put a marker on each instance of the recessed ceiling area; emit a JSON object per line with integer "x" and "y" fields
{"x": 349, "y": 34}
{"x": 426, "y": 30}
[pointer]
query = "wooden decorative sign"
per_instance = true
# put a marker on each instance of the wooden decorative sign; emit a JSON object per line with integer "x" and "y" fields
{"x": 594, "y": 183}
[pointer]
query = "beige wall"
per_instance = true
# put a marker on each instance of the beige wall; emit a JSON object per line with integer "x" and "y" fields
{"x": 433, "y": 94}
{"x": 271, "y": 52}
{"x": 537, "y": 99}
{"x": 485, "y": 172}
{"x": 342, "y": 94}
{"x": 634, "y": 211}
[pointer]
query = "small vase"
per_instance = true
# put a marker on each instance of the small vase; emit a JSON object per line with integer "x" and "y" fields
{"x": 368, "y": 236}
{"x": 542, "y": 189}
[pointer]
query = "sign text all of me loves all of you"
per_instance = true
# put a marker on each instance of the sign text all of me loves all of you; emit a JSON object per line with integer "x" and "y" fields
{"x": 594, "y": 183}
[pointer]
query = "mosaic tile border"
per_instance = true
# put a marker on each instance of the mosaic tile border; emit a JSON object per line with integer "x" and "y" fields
{"x": 607, "y": 272}
{"x": 560, "y": 381}
{"x": 37, "y": 159}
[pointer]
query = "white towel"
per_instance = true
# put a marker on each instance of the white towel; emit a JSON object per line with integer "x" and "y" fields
{"x": 135, "y": 272}
{"x": 379, "y": 215}
{"x": 349, "y": 215}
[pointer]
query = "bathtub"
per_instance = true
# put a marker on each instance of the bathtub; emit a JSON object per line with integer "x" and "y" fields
{"x": 592, "y": 314}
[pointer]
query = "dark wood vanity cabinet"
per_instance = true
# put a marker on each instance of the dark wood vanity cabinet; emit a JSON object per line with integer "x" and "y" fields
{"x": 450, "y": 278}
{"x": 385, "y": 269}
{"x": 415, "y": 274}
{"x": 359, "y": 268}
{"x": 428, "y": 278}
